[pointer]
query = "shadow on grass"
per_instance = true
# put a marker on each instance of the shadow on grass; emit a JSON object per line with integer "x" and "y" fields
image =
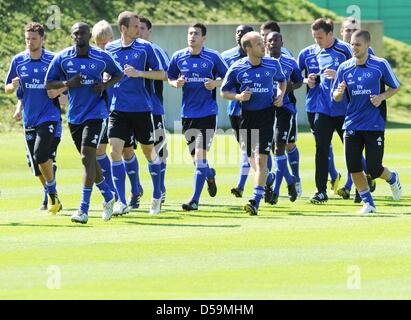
{"x": 18, "y": 224}
{"x": 185, "y": 225}
{"x": 327, "y": 215}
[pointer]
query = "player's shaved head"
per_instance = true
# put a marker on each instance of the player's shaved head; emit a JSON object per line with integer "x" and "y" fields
{"x": 246, "y": 40}
{"x": 80, "y": 25}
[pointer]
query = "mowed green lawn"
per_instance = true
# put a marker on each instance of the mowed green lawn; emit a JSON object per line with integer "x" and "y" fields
{"x": 289, "y": 251}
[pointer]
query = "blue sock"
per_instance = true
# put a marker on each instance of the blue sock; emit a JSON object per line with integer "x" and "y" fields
{"x": 270, "y": 179}
{"x": 244, "y": 171}
{"x": 294, "y": 161}
{"x": 199, "y": 178}
{"x": 393, "y": 178}
{"x": 163, "y": 177}
{"x": 105, "y": 166}
{"x": 105, "y": 190}
{"x": 367, "y": 197}
{"x": 45, "y": 199}
{"x": 278, "y": 178}
{"x": 348, "y": 184}
{"x": 155, "y": 173}
{"x": 364, "y": 164}
{"x": 281, "y": 162}
{"x": 257, "y": 195}
{"x": 269, "y": 163}
{"x": 131, "y": 167}
{"x": 331, "y": 166}
{"x": 85, "y": 199}
{"x": 51, "y": 186}
{"x": 119, "y": 176}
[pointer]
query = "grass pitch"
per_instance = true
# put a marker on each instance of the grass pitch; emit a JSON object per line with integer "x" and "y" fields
{"x": 289, "y": 251}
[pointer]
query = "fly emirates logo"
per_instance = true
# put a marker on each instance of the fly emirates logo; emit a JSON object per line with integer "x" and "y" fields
{"x": 258, "y": 88}
{"x": 360, "y": 91}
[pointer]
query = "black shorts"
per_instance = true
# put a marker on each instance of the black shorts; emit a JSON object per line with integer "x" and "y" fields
{"x": 130, "y": 126}
{"x": 89, "y": 133}
{"x": 199, "y": 132}
{"x": 41, "y": 142}
{"x": 257, "y": 131}
{"x": 128, "y": 143}
{"x": 354, "y": 144}
{"x": 285, "y": 126}
{"x": 235, "y": 124}
{"x": 311, "y": 118}
{"x": 160, "y": 134}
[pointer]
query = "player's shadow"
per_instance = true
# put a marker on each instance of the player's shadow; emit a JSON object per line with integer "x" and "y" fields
{"x": 139, "y": 215}
{"x": 333, "y": 215}
{"x": 18, "y": 224}
{"x": 226, "y": 226}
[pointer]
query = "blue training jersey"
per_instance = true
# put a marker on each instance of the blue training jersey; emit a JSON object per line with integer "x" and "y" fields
{"x": 331, "y": 58}
{"x": 292, "y": 73}
{"x": 307, "y": 61}
{"x": 230, "y": 56}
{"x": 157, "y": 85}
{"x": 83, "y": 103}
{"x": 261, "y": 81}
{"x": 37, "y": 106}
{"x": 197, "y": 102}
{"x": 19, "y": 95}
{"x": 133, "y": 94}
{"x": 363, "y": 81}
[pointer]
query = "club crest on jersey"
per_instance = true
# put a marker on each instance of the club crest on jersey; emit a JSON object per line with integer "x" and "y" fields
{"x": 204, "y": 65}
{"x": 44, "y": 69}
{"x": 92, "y": 66}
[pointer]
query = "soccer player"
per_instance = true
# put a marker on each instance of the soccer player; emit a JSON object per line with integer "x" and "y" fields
{"x": 363, "y": 78}
{"x": 80, "y": 68}
{"x": 265, "y": 29}
{"x": 307, "y": 62}
{"x": 132, "y": 107}
{"x": 158, "y": 107}
{"x": 285, "y": 134}
{"x": 198, "y": 70}
{"x": 41, "y": 114}
{"x": 252, "y": 79}
{"x": 330, "y": 114}
{"x": 233, "y": 108}
{"x": 348, "y": 27}
{"x": 103, "y": 34}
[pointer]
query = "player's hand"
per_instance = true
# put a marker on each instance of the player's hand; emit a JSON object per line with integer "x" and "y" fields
{"x": 330, "y": 74}
{"x": 341, "y": 88}
{"x": 53, "y": 93}
{"x": 209, "y": 84}
{"x": 278, "y": 102}
{"x": 75, "y": 81}
{"x": 311, "y": 80}
{"x": 376, "y": 100}
{"x": 180, "y": 82}
{"x": 131, "y": 72}
{"x": 15, "y": 82}
{"x": 17, "y": 113}
{"x": 245, "y": 95}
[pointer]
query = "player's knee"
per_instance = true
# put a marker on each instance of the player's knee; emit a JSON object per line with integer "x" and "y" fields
{"x": 375, "y": 171}
{"x": 41, "y": 156}
{"x": 280, "y": 149}
{"x": 87, "y": 158}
